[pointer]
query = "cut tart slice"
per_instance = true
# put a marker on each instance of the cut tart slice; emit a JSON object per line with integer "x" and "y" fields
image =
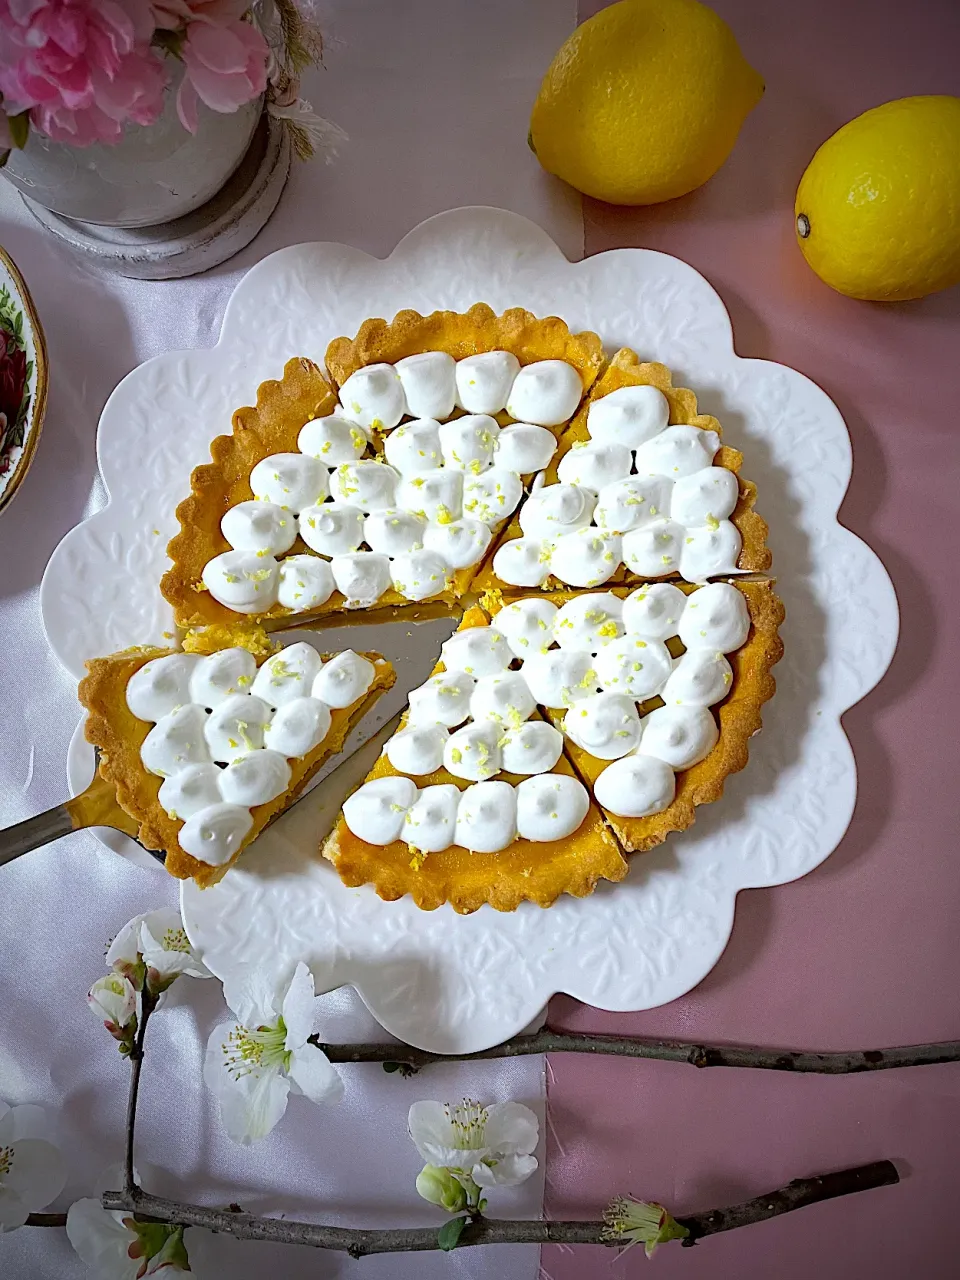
{"x": 658, "y": 690}
{"x": 641, "y": 488}
{"x": 204, "y": 751}
{"x": 388, "y": 500}
{"x": 487, "y": 812}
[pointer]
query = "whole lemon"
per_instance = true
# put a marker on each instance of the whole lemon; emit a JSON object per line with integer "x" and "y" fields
{"x": 878, "y": 209}
{"x": 644, "y": 101}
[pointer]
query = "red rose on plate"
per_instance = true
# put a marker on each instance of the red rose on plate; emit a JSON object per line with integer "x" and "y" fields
{"x": 13, "y": 380}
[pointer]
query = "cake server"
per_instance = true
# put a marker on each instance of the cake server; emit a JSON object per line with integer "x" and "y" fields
{"x": 97, "y": 805}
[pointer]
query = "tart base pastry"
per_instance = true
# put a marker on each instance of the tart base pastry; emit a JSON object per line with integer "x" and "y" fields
{"x": 283, "y": 408}
{"x": 119, "y": 735}
{"x": 525, "y": 871}
{"x": 649, "y": 500}
{"x": 537, "y": 872}
{"x": 304, "y": 394}
{"x": 738, "y": 717}
{"x": 626, "y": 369}
{"x": 462, "y": 334}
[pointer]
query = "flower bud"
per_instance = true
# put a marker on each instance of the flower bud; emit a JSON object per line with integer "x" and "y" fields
{"x": 440, "y": 1187}
{"x": 113, "y": 999}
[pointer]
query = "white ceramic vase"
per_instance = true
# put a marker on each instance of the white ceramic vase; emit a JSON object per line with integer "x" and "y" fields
{"x": 155, "y": 173}
{"x": 161, "y": 202}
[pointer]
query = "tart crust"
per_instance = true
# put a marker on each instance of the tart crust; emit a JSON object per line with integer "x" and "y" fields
{"x": 527, "y": 870}
{"x": 303, "y": 393}
{"x": 272, "y": 426}
{"x": 118, "y": 733}
{"x": 462, "y": 334}
{"x": 626, "y": 369}
{"x": 739, "y": 716}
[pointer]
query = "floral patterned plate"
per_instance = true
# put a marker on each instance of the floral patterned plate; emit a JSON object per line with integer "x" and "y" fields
{"x": 23, "y": 379}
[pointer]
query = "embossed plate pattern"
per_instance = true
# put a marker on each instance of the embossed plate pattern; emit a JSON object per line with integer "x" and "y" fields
{"x": 434, "y": 979}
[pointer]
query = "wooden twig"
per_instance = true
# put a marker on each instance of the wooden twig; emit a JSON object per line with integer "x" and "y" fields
{"x": 844, "y": 1062}
{"x": 362, "y": 1241}
{"x": 46, "y": 1220}
{"x": 359, "y": 1242}
{"x": 795, "y": 1195}
{"x": 147, "y": 1005}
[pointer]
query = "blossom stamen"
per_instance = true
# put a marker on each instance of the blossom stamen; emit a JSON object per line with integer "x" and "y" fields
{"x": 176, "y": 940}
{"x": 469, "y": 1121}
{"x": 246, "y": 1051}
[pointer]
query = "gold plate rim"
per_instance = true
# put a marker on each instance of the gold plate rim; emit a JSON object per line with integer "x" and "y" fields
{"x": 38, "y": 410}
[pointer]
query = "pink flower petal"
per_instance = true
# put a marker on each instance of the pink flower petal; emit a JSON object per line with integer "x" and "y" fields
{"x": 135, "y": 92}
{"x": 217, "y": 48}
{"x": 115, "y": 18}
{"x": 75, "y": 86}
{"x": 221, "y": 93}
{"x": 65, "y": 27}
{"x": 23, "y": 10}
{"x": 187, "y": 104}
{"x": 102, "y": 50}
{"x": 79, "y": 128}
{"x": 220, "y": 89}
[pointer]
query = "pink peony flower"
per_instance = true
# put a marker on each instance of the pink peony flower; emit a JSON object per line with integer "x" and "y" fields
{"x": 82, "y": 67}
{"x": 225, "y": 65}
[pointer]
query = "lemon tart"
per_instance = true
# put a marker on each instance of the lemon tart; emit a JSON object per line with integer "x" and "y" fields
{"x": 205, "y": 750}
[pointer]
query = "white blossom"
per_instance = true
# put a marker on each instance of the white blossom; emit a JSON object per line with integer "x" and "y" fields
{"x": 160, "y": 938}
{"x": 116, "y": 1247}
{"x": 113, "y": 1000}
{"x": 640, "y": 1222}
{"x": 492, "y": 1145}
{"x": 254, "y": 1064}
{"x": 31, "y": 1167}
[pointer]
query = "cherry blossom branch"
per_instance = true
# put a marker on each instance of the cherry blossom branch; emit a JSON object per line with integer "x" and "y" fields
{"x": 148, "y": 1003}
{"x": 359, "y": 1242}
{"x": 408, "y": 1059}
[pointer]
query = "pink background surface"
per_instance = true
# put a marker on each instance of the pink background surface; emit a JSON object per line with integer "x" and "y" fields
{"x": 864, "y": 951}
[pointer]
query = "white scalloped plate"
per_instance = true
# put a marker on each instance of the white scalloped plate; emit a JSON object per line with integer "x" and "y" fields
{"x": 437, "y": 980}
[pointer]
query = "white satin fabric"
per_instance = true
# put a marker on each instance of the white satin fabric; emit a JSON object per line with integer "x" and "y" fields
{"x": 435, "y": 96}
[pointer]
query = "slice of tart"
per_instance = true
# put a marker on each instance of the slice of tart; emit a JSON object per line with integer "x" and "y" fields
{"x": 473, "y": 800}
{"x": 388, "y": 500}
{"x": 657, "y": 690}
{"x": 205, "y": 750}
{"x": 641, "y": 489}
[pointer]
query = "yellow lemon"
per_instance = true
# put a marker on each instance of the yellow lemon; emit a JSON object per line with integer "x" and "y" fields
{"x": 878, "y": 209}
{"x": 644, "y": 101}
